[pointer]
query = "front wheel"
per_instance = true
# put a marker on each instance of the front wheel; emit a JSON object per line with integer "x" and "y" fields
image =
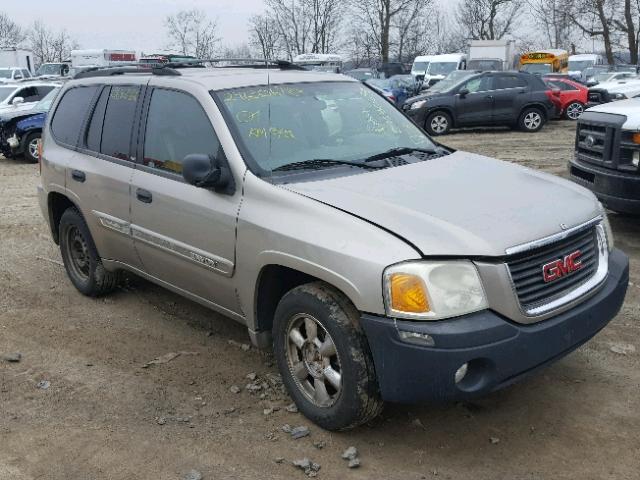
{"x": 438, "y": 123}
{"x": 324, "y": 357}
{"x": 573, "y": 110}
{"x": 31, "y": 147}
{"x": 531, "y": 120}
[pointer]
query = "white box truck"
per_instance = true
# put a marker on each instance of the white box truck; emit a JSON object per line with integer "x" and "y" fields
{"x": 16, "y": 57}
{"x": 491, "y": 55}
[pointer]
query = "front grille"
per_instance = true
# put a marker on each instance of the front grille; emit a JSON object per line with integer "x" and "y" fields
{"x": 594, "y": 142}
{"x": 527, "y": 275}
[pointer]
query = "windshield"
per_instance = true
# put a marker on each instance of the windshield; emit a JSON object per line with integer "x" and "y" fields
{"x": 420, "y": 67}
{"x": 442, "y": 68}
{"x": 536, "y": 68}
{"x": 49, "y": 69}
{"x": 485, "y": 65}
{"x": 5, "y": 73}
{"x": 580, "y": 65}
{"x": 5, "y": 92}
{"x": 45, "y": 104}
{"x": 361, "y": 75}
{"x": 451, "y": 80}
{"x": 603, "y": 77}
{"x": 283, "y": 124}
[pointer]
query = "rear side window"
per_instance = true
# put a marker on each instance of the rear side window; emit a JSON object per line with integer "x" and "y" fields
{"x": 509, "y": 81}
{"x": 176, "y": 127}
{"x": 70, "y": 114}
{"x": 118, "y": 121}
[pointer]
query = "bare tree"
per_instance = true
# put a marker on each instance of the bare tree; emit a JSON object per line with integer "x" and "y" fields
{"x": 49, "y": 46}
{"x": 631, "y": 12}
{"x": 192, "y": 33}
{"x": 377, "y": 17}
{"x": 293, "y": 23}
{"x": 265, "y": 35}
{"x": 489, "y": 19}
{"x": 411, "y": 31}
{"x": 325, "y": 23}
{"x": 11, "y": 34}
{"x": 554, "y": 22}
{"x": 596, "y": 19}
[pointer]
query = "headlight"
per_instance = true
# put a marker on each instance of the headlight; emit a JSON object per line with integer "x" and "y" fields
{"x": 619, "y": 96}
{"x": 607, "y": 228}
{"x": 418, "y": 104}
{"x": 433, "y": 290}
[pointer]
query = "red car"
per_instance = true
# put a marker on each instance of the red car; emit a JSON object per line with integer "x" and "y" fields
{"x": 568, "y": 96}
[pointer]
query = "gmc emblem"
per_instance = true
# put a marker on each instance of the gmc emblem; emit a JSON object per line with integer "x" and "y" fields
{"x": 561, "y": 268}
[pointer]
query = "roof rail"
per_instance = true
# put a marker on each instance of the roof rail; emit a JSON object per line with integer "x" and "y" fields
{"x": 242, "y": 63}
{"x": 142, "y": 68}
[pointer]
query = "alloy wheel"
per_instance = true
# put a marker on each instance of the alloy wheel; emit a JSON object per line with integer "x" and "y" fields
{"x": 532, "y": 120}
{"x": 439, "y": 124}
{"x": 33, "y": 148}
{"x": 574, "y": 111}
{"x": 313, "y": 360}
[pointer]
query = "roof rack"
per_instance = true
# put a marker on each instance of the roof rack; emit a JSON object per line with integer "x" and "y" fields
{"x": 170, "y": 68}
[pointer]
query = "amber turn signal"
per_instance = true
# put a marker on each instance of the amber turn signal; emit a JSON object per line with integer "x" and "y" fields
{"x": 408, "y": 294}
{"x": 636, "y": 138}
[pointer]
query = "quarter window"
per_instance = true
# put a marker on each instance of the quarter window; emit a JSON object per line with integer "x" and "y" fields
{"x": 70, "y": 114}
{"x": 176, "y": 127}
{"x": 94, "y": 132}
{"x": 118, "y": 121}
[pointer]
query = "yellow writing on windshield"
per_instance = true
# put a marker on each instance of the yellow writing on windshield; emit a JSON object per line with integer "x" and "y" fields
{"x": 262, "y": 92}
{"x": 280, "y": 133}
{"x": 245, "y": 116}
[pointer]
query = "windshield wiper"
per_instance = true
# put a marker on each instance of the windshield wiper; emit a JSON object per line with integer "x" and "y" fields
{"x": 394, "y": 152}
{"x": 318, "y": 163}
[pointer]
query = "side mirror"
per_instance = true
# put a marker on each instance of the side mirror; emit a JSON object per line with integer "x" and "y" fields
{"x": 463, "y": 92}
{"x": 17, "y": 101}
{"x": 207, "y": 171}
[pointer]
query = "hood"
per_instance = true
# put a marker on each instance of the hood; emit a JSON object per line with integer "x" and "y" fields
{"x": 621, "y": 107}
{"x": 461, "y": 204}
{"x": 7, "y": 115}
{"x": 620, "y": 86}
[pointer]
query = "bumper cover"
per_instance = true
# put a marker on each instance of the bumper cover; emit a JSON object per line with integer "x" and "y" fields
{"x": 617, "y": 190}
{"x": 498, "y": 351}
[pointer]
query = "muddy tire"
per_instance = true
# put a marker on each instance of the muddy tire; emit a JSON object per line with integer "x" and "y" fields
{"x": 31, "y": 147}
{"x": 324, "y": 357}
{"x": 80, "y": 256}
{"x": 573, "y": 111}
{"x": 531, "y": 120}
{"x": 438, "y": 123}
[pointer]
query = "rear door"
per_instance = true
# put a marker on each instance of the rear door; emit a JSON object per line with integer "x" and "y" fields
{"x": 184, "y": 235}
{"x": 510, "y": 92}
{"x": 99, "y": 173}
{"x": 475, "y": 107}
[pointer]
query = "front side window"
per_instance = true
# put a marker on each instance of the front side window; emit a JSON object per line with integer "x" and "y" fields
{"x": 478, "y": 84}
{"x": 118, "y": 121}
{"x": 70, "y": 114}
{"x": 5, "y": 73}
{"x": 176, "y": 127}
{"x": 283, "y": 124}
{"x": 29, "y": 94}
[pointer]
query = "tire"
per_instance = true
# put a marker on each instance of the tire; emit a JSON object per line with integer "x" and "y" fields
{"x": 344, "y": 392}
{"x": 438, "y": 123}
{"x": 31, "y": 147}
{"x": 80, "y": 256}
{"x": 531, "y": 120}
{"x": 573, "y": 111}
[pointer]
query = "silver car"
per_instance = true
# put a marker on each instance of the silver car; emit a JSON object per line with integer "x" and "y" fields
{"x": 378, "y": 264}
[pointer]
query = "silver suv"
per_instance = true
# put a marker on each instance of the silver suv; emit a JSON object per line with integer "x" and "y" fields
{"x": 377, "y": 263}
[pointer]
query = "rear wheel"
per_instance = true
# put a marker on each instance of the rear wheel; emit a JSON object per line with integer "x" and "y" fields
{"x": 31, "y": 147}
{"x": 438, "y": 123}
{"x": 80, "y": 256}
{"x": 324, "y": 357}
{"x": 573, "y": 110}
{"x": 531, "y": 120}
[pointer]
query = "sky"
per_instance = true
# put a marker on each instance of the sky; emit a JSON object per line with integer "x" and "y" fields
{"x": 130, "y": 24}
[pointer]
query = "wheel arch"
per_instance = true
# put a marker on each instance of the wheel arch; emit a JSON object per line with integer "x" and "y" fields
{"x": 538, "y": 106}
{"x": 446, "y": 109}
{"x": 57, "y": 204}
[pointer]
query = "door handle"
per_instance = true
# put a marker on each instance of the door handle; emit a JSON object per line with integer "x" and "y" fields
{"x": 144, "y": 195}
{"x": 78, "y": 176}
{"x": 489, "y": 97}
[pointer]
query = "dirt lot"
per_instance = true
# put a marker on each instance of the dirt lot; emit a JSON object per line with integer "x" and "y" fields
{"x": 104, "y": 417}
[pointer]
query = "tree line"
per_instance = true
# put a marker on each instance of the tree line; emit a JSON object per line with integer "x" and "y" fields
{"x": 372, "y": 31}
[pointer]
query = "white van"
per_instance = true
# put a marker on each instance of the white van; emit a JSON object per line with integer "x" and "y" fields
{"x": 320, "y": 62}
{"x": 82, "y": 59}
{"x": 442, "y": 65}
{"x": 578, "y": 63}
{"x": 421, "y": 65}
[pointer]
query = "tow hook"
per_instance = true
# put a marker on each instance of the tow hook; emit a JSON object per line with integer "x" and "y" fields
{"x": 13, "y": 141}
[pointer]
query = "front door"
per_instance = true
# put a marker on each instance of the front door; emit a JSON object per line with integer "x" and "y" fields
{"x": 184, "y": 235}
{"x": 474, "y": 108}
{"x": 509, "y": 95}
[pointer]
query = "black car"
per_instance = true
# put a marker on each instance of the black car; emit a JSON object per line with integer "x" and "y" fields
{"x": 514, "y": 99}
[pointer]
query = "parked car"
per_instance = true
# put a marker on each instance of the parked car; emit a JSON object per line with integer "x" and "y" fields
{"x": 363, "y": 74}
{"x": 614, "y": 91}
{"x": 569, "y": 97}
{"x": 390, "y": 69}
{"x": 378, "y": 264}
{"x": 607, "y": 154}
{"x": 53, "y": 70}
{"x": 396, "y": 88}
{"x": 23, "y": 96}
{"x": 491, "y": 98}
{"x": 20, "y": 130}
{"x": 450, "y": 80}
{"x": 607, "y": 77}
{"x": 13, "y": 74}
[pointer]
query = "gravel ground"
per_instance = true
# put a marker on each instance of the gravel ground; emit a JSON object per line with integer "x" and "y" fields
{"x": 80, "y": 405}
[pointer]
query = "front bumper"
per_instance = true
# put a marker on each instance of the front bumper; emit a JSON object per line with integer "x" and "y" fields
{"x": 617, "y": 190}
{"x": 498, "y": 351}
